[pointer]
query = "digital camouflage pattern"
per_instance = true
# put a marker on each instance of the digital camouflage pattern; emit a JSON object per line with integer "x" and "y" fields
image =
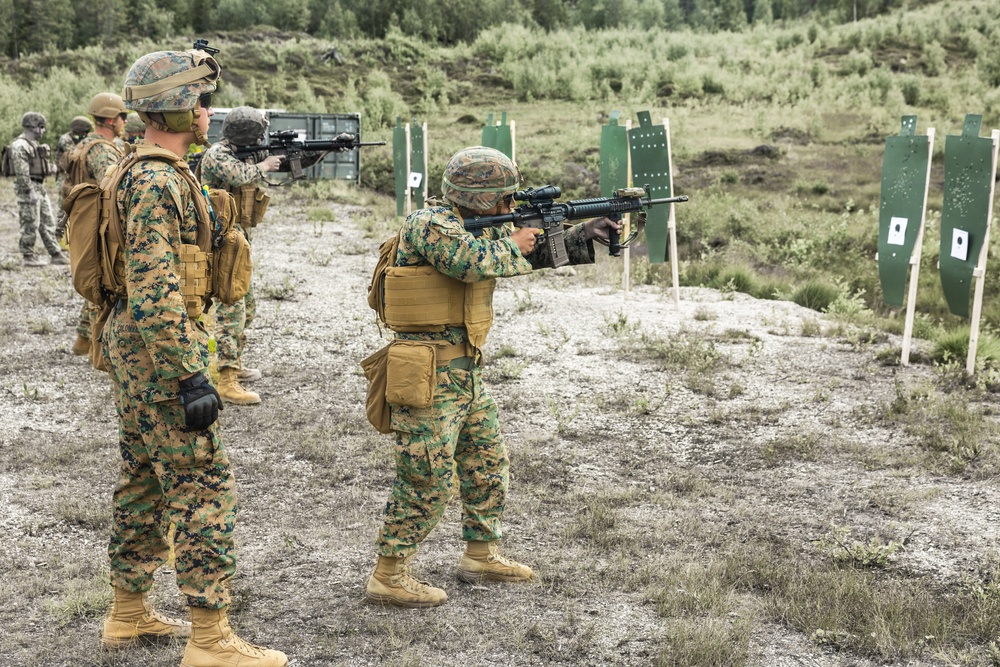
{"x": 477, "y": 178}
{"x": 155, "y": 67}
{"x": 457, "y": 440}
{"x": 244, "y": 126}
{"x": 32, "y": 119}
{"x": 167, "y": 473}
{"x": 62, "y": 150}
{"x": 134, "y": 128}
{"x": 34, "y": 208}
{"x": 220, "y": 168}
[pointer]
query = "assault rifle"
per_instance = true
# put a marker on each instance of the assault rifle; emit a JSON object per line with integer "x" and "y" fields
{"x": 541, "y": 211}
{"x": 299, "y": 154}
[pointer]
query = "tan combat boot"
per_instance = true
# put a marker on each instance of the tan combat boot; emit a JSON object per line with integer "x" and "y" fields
{"x": 232, "y": 391}
{"x": 214, "y": 644}
{"x": 133, "y": 620}
{"x": 81, "y": 346}
{"x": 392, "y": 583}
{"x": 248, "y": 375}
{"x": 482, "y": 561}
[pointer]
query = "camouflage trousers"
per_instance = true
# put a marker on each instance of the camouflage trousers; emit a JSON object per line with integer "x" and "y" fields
{"x": 172, "y": 476}
{"x": 36, "y": 219}
{"x": 88, "y": 314}
{"x": 455, "y": 442}
{"x": 231, "y": 323}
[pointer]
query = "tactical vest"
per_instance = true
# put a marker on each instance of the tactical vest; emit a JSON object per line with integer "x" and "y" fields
{"x": 422, "y": 299}
{"x": 38, "y": 160}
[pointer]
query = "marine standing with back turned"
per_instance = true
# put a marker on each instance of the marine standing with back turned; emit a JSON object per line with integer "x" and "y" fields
{"x": 88, "y": 162}
{"x": 220, "y": 168}
{"x": 174, "y": 467}
{"x": 439, "y": 293}
{"x": 30, "y": 161}
{"x": 79, "y": 127}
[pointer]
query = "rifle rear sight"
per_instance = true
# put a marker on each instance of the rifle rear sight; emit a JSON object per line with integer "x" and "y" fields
{"x": 202, "y": 45}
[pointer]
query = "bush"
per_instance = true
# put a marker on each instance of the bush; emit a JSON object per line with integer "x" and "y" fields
{"x": 816, "y": 295}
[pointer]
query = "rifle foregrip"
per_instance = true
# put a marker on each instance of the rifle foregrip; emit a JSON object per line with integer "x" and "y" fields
{"x": 614, "y": 242}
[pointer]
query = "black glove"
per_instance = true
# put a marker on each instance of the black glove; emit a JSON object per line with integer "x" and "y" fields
{"x": 201, "y": 402}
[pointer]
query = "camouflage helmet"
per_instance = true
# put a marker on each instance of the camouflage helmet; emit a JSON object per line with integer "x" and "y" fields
{"x": 81, "y": 125}
{"x": 32, "y": 119}
{"x": 244, "y": 126}
{"x": 167, "y": 81}
{"x": 134, "y": 124}
{"x": 106, "y": 105}
{"x": 477, "y": 178}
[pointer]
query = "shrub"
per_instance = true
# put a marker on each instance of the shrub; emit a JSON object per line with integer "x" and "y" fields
{"x": 816, "y": 295}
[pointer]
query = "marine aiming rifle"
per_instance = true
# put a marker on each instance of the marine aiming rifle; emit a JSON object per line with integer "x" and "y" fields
{"x": 541, "y": 211}
{"x": 299, "y": 154}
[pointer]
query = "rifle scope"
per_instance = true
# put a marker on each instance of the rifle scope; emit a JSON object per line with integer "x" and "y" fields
{"x": 538, "y": 194}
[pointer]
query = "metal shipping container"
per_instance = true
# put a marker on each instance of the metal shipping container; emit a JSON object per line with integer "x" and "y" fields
{"x": 336, "y": 166}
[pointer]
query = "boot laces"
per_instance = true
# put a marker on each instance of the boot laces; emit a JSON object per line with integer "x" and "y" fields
{"x": 405, "y": 579}
{"x": 243, "y": 646}
{"x": 154, "y": 615}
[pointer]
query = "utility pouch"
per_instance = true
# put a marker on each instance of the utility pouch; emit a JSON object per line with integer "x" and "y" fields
{"x": 253, "y": 205}
{"x": 411, "y": 374}
{"x": 376, "y": 406}
{"x": 196, "y": 278}
{"x": 232, "y": 266}
{"x": 97, "y": 359}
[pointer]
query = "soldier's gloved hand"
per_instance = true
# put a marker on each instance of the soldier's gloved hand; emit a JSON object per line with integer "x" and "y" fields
{"x": 270, "y": 163}
{"x": 201, "y": 402}
{"x": 598, "y": 228}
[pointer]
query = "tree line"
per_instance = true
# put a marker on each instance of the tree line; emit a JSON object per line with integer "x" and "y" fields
{"x": 32, "y": 26}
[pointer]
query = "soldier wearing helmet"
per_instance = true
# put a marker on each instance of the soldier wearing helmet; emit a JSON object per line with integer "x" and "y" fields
{"x": 88, "y": 162}
{"x": 134, "y": 128}
{"x": 439, "y": 293}
{"x": 30, "y": 161}
{"x": 174, "y": 468}
{"x": 220, "y": 168}
{"x": 79, "y": 127}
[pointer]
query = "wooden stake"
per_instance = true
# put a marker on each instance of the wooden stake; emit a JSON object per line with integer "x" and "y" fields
{"x": 911, "y": 299}
{"x": 672, "y": 225}
{"x": 409, "y": 198}
{"x": 626, "y": 230}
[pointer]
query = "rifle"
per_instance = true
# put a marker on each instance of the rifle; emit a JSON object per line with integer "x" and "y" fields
{"x": 541, "y": 211}
{"x": 298, "y": 153}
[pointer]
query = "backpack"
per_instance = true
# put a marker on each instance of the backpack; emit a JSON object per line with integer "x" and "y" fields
{"x": 97, "y": 241}
{"x": 376, "y": 289}
{"x": 74, "y": 163}
{"x": 7, "y": 162}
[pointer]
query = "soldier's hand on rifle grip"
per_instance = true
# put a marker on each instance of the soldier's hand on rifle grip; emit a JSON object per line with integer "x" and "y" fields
{"x": 525, "y": 238}
{"x": 600, "y": 228}
{"x": 270, "y": 163}
{"x": 201, "y": 402}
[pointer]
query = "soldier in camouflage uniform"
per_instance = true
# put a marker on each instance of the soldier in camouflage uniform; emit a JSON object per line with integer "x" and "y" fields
{"x": 174, "y": 466}
{"x": 220, "y": 168}
{"x": 31, "y": 165}
{"x": 79, "y": 127}
{"x": 134, "y": 128}
{"x": 96, "y": 152}
{"x": 456, "y": 442}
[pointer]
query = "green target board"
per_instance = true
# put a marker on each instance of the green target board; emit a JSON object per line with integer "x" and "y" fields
{"x": 399, "y": 171}
{"x": 651, "y": 166}
{"x": 417, "y": 178}
{"x": 968, "y": 171}
{"x": 901, "y": 211}
{"x": 498, "y": 136}
{"x": 614, "y": 156}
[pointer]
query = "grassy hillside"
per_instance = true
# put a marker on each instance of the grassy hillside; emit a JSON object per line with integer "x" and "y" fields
{"x": 778, "y": 132}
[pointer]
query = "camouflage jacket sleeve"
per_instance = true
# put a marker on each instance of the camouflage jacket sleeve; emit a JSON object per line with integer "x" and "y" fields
{"x": 99, "y": 158}
{"x": 436, "y": 236}
{"x": 578, "y": 249}
{"x": 21, "y": 153}
{"x": 62, "y": 150}
{"x": 220, "y": 168}
{"x": 159, "y": 216}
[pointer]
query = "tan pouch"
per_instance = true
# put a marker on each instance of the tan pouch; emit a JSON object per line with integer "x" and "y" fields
{"x": 196, "y": 278}
{"x": 253, "y": 202}
{"x": 97, "y": 324}
{"x": 376, "y": 407}
{"x": 411, "y": 374}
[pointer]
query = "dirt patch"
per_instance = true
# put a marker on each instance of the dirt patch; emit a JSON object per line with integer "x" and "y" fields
{"x": 644, "y": 437}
